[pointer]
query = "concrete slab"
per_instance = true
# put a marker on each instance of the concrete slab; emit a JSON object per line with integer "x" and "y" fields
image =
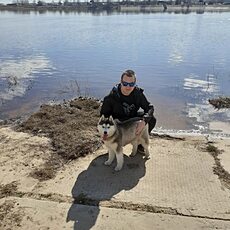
{"x": 175, "y": 189}
{"x": 178, "y": 176}
{"x": 37, "y": 214}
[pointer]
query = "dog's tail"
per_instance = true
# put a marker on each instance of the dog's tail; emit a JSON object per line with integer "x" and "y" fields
{"x": 133, "y": 119}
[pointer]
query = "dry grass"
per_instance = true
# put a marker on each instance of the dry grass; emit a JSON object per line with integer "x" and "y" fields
{"x": 72, "y": 127}
{"x": 218, "y": 169}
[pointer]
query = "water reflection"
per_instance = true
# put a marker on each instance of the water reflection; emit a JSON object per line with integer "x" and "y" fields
{"x": 198, "y": 108}
{"x": 16, "y": 76}
{"x": 170, "y": 53}
{"x": 209, "y": 85}
{"x": 175, "y": 57}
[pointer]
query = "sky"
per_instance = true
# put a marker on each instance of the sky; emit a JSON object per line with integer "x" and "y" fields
{"x": 5, "y": 1}
{"x": 9, "y": 1}
{"x": 30, "y": 1}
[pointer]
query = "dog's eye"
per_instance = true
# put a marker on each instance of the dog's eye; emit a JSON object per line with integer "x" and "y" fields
{"x": 103, "y": 126}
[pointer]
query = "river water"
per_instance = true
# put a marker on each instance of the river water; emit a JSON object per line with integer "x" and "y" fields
{"x": 181, "y": 60}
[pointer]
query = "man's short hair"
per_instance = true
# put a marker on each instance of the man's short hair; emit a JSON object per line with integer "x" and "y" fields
{"x": 128, "y": 73}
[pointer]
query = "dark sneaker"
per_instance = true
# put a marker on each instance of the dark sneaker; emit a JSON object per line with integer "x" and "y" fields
{"x": 140, "y": 149}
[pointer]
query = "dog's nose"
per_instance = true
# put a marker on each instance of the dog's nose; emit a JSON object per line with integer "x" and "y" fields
{"x": 105, "y": 132}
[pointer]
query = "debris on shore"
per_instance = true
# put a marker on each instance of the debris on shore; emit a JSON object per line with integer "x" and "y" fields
{"x": 220, "y": 103}
{"x": 71, "y": 126}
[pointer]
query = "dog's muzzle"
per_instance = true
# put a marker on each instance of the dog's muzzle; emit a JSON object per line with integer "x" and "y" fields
{"x": 105, "y": 136}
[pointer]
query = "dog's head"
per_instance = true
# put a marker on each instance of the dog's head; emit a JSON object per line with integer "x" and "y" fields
{"x": 106, "y": 127}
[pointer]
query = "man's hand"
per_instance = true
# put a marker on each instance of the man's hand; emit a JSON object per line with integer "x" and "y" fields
{"x": 140, "y": 126}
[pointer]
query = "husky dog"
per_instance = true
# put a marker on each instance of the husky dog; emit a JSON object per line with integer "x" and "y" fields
{"x": 116, "y": 134}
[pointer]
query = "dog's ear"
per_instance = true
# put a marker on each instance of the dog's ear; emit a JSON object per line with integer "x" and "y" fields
{"x": 101, "y": 118}
{"x": 110, "y": 118}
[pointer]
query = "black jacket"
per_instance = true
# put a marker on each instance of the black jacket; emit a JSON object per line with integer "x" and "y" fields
{"x": 125, "y": 107}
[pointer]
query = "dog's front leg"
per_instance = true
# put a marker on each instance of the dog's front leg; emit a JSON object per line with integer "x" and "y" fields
{"x": 110, "y": 158}
{"x": 120, "y": 160}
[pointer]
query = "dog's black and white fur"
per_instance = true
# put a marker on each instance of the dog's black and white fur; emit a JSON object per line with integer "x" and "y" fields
{"x": 117, "y": 134}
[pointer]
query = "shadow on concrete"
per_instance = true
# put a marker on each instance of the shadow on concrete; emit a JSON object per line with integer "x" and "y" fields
{"x": 102, "y": 183}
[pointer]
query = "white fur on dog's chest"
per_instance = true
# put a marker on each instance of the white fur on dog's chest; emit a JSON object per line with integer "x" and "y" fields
{"x": 110, "y": 145}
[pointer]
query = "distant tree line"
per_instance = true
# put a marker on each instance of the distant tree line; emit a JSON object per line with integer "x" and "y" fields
{"x": 116, "y": 2}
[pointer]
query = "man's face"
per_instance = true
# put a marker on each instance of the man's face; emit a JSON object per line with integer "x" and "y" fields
{"x": 126, "y": 89}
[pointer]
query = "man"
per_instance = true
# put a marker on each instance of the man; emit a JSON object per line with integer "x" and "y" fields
{"x": 124, "y": 101}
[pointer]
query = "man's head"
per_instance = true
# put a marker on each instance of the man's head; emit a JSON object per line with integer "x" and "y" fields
{"x": 128, "y": 82}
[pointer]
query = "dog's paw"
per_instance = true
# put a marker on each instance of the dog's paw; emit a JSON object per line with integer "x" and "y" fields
{"x": 118, "y": 168}
{"x": 107, "y": 163}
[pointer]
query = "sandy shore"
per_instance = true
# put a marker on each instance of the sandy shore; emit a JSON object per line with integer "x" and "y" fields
{"x": 183, "y": 186}
{"x": 52, "y": 176}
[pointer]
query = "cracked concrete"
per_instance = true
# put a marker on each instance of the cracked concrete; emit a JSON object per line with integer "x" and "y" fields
{"x": 175, "y": 189}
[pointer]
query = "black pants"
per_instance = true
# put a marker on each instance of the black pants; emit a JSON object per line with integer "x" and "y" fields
{"x": 152, "y": 121}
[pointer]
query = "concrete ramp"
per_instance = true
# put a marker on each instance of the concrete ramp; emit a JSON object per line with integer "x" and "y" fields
{"x": 182, "y": 186}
